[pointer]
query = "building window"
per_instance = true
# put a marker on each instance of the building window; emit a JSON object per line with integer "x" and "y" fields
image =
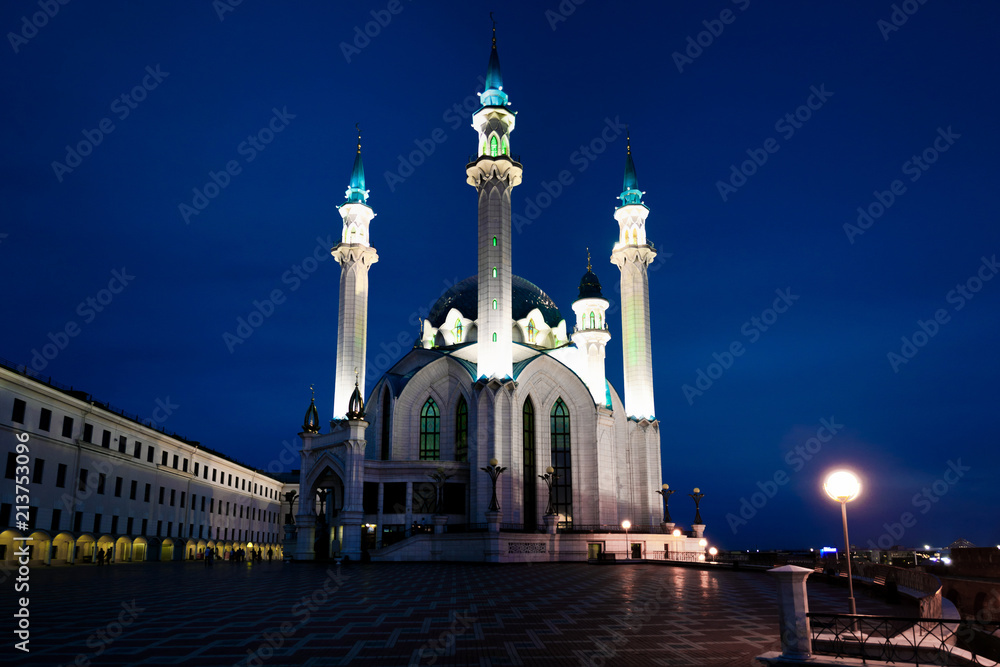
{"x": 457, "y": 330}
{"x": 462, "y": 430}
{"x": 145, "y": 498}
{"x": 118, "y": 489}
{"x": 149, "y": 454}
{"x": 175, "y": 461}
{"x": 494, "y": 337}
{"x": 83, "y": 480}
{"x": 494, "y": 242}
{"x": 430, "y": 431}
{"x": 106, "y": 439}
{"x": 37, "y": 472}
{"x": 101, "y": 479}
{"x": 56, "y": 520}
{"x": 184, "y": 465}
{"x": 532, "y": 331}
{"x": 494, "y": 304}
{"x": 163, "y": 458}
{"x": 195, "y": 468}
{"x": 145, "y": 527}
{"x": 592, "y": 325}
{"x": 17, "y": 414}
{"x": 122, "y": 443}
{"x": 67, "y": 431}
{"x": 114, "y": 524}
{"x": 173, "y": 496}
{"x": 61, "y": 476}
{"x": 45, "y": 420}
{"x": 562, "y": 487}
{"x": 128, "y": 526}
{"x": 386, "y": 426}
{"x": 132, "y": 490}
{"x": 494, "y": 272}
{"x": 88, "y": 433}
{"x": 97, "y": 524}
{"x": 162, "y": 492}
{"x": 183, "y": 495}
{"x": 214, "y": 470}
{"x": 138, "y": 450}
{"x": 494, "y": 149}
{"x": 530, "y": 483}
{"x": 11, "y": 468}
{"x": 504, "y": 146}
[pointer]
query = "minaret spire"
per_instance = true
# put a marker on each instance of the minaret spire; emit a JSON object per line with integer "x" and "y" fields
{"x": 494, "y": 174}
{"x": 633, "y": 255}
{"x": 355, "y": 255}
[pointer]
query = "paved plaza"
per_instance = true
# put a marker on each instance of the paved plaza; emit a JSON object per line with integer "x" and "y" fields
{"x": 182, "y": 613}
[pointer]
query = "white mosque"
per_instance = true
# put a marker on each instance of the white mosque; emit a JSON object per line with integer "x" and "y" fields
{"x": 500, "y": 386}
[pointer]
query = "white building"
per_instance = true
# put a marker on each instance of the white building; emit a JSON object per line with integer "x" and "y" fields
{"x": 498, "y": 374}
{"x": 83, "y": 478}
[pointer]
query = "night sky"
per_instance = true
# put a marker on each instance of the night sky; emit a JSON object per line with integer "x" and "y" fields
{"x": 758, "y": 130}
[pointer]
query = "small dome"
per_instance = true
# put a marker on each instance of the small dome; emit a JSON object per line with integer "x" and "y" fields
{"x": 590, "y": 286}
{"x": 311, "y": 422}
{"x": 356, "y": 406}
{"x": 464, "y": 297}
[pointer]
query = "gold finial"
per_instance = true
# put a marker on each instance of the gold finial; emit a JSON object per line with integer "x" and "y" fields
{"x": 588, "y": 259}
{"x": 628, "y": 141}
{"x": 356, "y": 376}
{"x": 311, "y": 389}
{"x": 358, "y": 126}
{"x": 494, "y": 29}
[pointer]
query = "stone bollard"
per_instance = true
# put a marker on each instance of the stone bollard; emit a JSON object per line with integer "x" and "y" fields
{"x": 551, "y": 522}
{"x": 793, "y": 605}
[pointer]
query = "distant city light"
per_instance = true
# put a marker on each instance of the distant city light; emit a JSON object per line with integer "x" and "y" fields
{"x": 946, "y": 560}
{"x": 927, "y": 547}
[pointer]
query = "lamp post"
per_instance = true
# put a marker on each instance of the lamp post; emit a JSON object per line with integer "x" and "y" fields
{"x": 844, "y": 486}
{"x": 713, "y": 552}
{"x": 666, "y": 493}
{"x": 626, "y": 524}
{"x": 549, "y": 477}
{"x": 494, "y": 469}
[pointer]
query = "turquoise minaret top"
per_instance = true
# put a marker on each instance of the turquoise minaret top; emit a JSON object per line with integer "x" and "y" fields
{"x": 631, "y": 194}
{"x": 494, "y": 96}
{"x": 356, "y": 193}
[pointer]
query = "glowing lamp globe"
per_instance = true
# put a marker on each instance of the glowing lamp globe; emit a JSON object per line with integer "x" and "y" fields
{"x": 677, "y": 533}
{"x": 666, "y": 487}
{"x": 626, "y": 524}
{"x": 713, "y": 551}
{"x": 703, "y": 542}
{"x": 494, "y": 462}
{"x": 842, "y": 486}
{"x": 550, "y": 470}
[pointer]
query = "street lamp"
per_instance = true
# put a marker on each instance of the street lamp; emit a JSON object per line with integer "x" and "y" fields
{"x": 713, "y": 552}
{"x": 697, "y": 495}
{"x": 493, "y": 470}
{"x": 626, "y": 524}
{"x": 665, "y": 492}
{"x": 844, "y": 486}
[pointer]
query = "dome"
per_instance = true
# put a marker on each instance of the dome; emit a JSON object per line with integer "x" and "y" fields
{"x": 590, "y": 286}
{"x": 464, "y": 297}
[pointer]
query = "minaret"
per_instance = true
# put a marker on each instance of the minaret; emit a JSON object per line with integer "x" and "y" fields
{"x": 632, "y": 254}
{"x": 591, "y": 334}
{"x": 355, "y": 256}
{"x": 494, "y": 174}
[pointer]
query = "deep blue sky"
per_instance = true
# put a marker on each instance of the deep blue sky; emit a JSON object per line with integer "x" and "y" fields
{"x": 723, "y": 260}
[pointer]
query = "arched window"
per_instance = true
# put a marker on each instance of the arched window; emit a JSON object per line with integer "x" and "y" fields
{"x": 493, "y": 146}
{"x": 635, "y": 237}
{"x": 494, "y": 242}
{"x": 494, "y": 272}
{"x": 600, "y": 325}
{"x": 430, "y": 431}
{"x": 530, "y": 483}
{"x": 386, "y": 433}
{"x": 457, "y": 330}
{"x": 494, "y": 304}
{"x": 462, "y": 430}
{"x": 562, "y": 488}
{"x": 592, "y": 325}
{"x": 494, "y": 337}
{"x": 532, "y": 331}
{"x": 504, "y": 146}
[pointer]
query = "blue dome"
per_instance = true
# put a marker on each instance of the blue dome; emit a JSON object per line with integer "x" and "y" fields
{"x": 464, "y": 297}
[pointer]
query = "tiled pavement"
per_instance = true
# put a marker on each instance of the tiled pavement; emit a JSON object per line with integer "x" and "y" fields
{"x": 403, "y": 614}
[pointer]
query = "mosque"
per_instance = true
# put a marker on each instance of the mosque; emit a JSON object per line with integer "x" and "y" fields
{"x": 497, "y": 437}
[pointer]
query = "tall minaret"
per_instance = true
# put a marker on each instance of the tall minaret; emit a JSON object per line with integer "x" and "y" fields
{"x": 355, "y": 256}
{"x": 632, "y": 254}
{"x": 591, "y": 333}
{"x": 494, "y": 174}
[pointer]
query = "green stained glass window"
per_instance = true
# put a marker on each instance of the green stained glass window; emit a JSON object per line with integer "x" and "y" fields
{"x": 462, "y": 430}
{"x": 494, "y": 304}
{"x": 493, "y": 146}
{"x": 430, "y": 431}
{"x": 494, "y": 338}
{"x": 530, "y": 483}
{"x": 562, "y": 487}
{"x": 494, "y": 272}
{"x": 494, "y": 242}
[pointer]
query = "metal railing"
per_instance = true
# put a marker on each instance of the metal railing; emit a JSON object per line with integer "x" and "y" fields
{"x": 919, "y": 641}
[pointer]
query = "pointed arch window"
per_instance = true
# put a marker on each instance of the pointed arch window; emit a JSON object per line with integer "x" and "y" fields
{"x": 494, "y": 304}
{"x": 504, "y": 146}
{"x": 457, "y": 330}
{"x": 600, "y": 325}
{"x": 430, "y": 431}
{"x": 562, "y": 487}
{"x": 494, "y": 242}
{"x": 462, "y": 430}
{"x": 494, "y": 272}
{"x": 493, "y": 146}
{"x": 635, "y": 237}
{"x": 494, "y": 337}
{"x": 532, "y": 331}
{"x": 386, "y": 433}
{"x": 530, "y": 483}
{"x": 592, "y": 320}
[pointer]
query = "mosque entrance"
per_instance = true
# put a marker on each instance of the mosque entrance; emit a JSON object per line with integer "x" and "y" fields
{"x": 328, "y": 492}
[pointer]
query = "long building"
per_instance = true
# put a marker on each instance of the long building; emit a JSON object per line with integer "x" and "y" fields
{"x": 80, "y": 477}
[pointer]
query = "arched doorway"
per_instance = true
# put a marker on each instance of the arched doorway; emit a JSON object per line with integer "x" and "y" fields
{"x": 139, "y": 549}
{"x": 327, "y": 490}
{"x": 62, "y": 548}
{"x": 123, "y": 550}
{"x": 85, "y": 549}
{"x": 167, "y": 549}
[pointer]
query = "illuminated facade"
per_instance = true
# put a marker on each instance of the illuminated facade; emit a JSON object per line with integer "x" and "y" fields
{"x": 497, "y": 373}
